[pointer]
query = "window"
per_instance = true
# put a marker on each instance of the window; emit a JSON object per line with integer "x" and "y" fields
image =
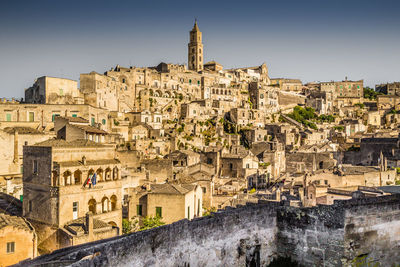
{"x": 247, "y": 165}
{"x": 139, "y": 210}
{"x": 61, "y": 92}
{"x": 30, "y": 205}
{"x": 8, "y": 117}
{"x": 123, "y": 80}
{"x": 198, "y": 82}
{"x": 35, "y": 166}
{"x": 188, "y": 213}
{"x": 10, "y": 247}
{"x": 204, "y": 190}
{"x": 93, "y": 122}
{"x": 190, "y": 81}
{"x": 75, "y": 210}
{"x": 103, "y": 121}
{"x": 21, "y": 198}
{"x": 74, "y": 115}
{"x": 54, "y": 116}
{"x": 159, "y": 212}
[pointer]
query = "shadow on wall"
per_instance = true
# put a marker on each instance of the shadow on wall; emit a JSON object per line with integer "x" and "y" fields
{"x": 282, "y": 262}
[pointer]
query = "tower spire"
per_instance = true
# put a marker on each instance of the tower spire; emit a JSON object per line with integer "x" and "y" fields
{"x": 195, "y": 49}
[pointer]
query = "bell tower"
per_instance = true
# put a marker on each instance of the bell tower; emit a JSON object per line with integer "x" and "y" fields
{"x": 195, "y": 49}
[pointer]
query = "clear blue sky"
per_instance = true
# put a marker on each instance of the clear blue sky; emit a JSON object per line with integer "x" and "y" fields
{"x": 312, "y": 40}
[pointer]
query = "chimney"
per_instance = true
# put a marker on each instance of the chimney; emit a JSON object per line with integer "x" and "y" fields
{"x": 84, "y": 160}
{"x": 89, "y": 224}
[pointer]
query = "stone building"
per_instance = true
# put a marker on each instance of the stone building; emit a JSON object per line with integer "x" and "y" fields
{"x": 170, "y": 202}
{"x": 42, "y": 116}
{"x": 50, "y": 90}
{"x": 18, "y": 240}
{"x": 292, "y": 85}
{"x": 389, "y": 88}
{"x": 195, "y": 49}
{"x": 57, "y": 191}
{"x": 107, "y": 92}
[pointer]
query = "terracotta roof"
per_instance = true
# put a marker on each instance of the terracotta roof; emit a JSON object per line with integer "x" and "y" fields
{"x": 14, "y": 221}
{"x": 21, "y": 130}
{"x": 89, "y": 129}
{"x": 168, "y": 189}
{"x": 76, "y": 119}
{"x": 78, "y": 226}
{"x": 62, "y": 143}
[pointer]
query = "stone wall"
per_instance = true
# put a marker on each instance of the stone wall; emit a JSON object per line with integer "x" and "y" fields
{"x": 256, "y": 235}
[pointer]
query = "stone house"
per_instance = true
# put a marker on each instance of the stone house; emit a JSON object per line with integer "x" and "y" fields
{"x": 245, "y": 117}
{"x": 292, "y": 85}
{"x": 168, "y": 201}
{"x": 51, "y": 90}
{"x": 72, "y": 128}
{"x": 56, "y": 190}
{"x": 388, "y": 102}
{"x": 43, "y": 116}
{"x": 301, "y": 162}
{"x": 12, "y": 140}
{"x": 18, "y": 240}
{"x": 392, "y": 89}
{"x": 271, "y": 153}
{"x": 238, "y": 165}
{"x": 183, "y": 158}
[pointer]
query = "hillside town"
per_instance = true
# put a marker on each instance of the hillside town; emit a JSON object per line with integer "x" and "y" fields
{"x": 137, "y": 147}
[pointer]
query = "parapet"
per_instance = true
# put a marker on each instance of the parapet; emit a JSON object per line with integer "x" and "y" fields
{"x": 256, "y": 232}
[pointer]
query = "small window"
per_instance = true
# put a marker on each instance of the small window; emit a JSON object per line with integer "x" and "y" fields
{"x": 74, "y": 115}
{"x": 10, "y": 247}
{"x": 123, "y": 80}
{"x": 159, "y": 212}
{"x": 188, "y": 212}
{"x": 103, "y": 121}
{"x": 198, "y": 82}
{"x": 247, "y": 166}
{"x": 61, "y": 92}
{"x": 54, "y": 117}
{"x": 93, "y": 122}
{"x": 8, "y": 117}
{"x": 204, "y": 190}
{"x": 190, "y": 81}
{"x": 139, "y": 210}
{"x": 35, "y": 166}
{"x": 30, "y": 206}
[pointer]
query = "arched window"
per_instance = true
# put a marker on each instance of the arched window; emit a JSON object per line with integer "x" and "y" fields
{"x": 108, "y": 174}
{"x": 100, "y": 175}
{"x": 113, "y": 202}
{"x": 67, "y": 178}
{"x": 115, "y": 173}
{"x": 77, "y": 177}
{"x": 92, "y": 205}
{"x": 104, "y": 204}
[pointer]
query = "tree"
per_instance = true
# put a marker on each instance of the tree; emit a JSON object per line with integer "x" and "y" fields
{"x": 126, "y": 226}
{"x": 151, "y": 222}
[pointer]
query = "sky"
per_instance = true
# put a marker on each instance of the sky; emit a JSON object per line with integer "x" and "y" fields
{"x": 313, "y": 40}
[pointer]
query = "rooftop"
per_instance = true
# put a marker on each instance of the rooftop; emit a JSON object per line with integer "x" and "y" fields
{"x": 62, "y": 143}
{"x": 14, "y": 221}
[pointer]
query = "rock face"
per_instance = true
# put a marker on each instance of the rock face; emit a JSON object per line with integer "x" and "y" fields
{"x": 358, "y": 230}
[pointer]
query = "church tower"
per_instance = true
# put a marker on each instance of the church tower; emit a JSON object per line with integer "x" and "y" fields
{"x": 195, "y": 49}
